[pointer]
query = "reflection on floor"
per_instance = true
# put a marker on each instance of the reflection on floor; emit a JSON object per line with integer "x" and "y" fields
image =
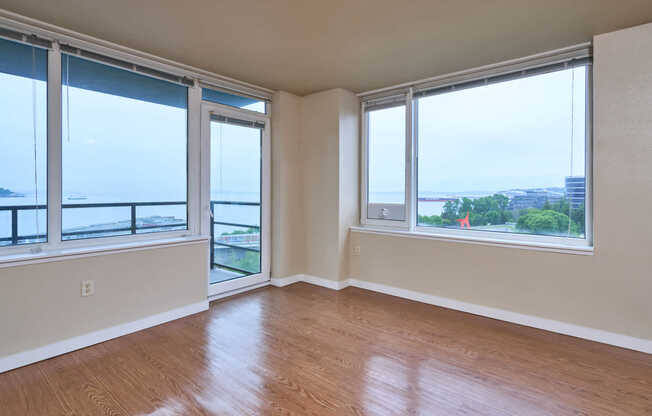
{"x": 221, "y": 275}
{"x": 306, "y": 350}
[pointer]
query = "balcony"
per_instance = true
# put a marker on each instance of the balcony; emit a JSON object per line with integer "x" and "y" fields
{"x": 235, "y": 244}
{"x": 132, "y": 224}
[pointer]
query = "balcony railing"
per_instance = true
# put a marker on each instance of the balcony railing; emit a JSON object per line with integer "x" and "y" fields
{"x": 133, "y": 227}
{"x": 246, "y": 242}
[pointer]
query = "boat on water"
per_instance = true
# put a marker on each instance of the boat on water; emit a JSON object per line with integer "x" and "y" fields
{"x": 76, "y": 197}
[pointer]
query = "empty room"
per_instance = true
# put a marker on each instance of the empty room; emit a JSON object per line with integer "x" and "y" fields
{"x": 301, "y": 207}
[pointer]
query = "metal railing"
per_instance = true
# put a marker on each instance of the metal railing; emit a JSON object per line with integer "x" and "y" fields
{"x": 215, "y": 242}
{"x": 132, "y": 229}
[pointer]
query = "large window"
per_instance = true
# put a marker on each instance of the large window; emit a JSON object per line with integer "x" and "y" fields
{"x": 502, "y": 155}
{"x": 102, "y": 148}
{"x": 124, "y": 140}
{"x": 23, "y": 140}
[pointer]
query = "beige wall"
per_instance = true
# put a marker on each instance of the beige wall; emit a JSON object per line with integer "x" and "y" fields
{"x": 41, "y": 303}
{"x": 319, "y": 148}
{"x": 609, "y": 290}
{"x": 288, "y": 248}
{"x": 349, "y": 177}
{"x": 329, "y": 134}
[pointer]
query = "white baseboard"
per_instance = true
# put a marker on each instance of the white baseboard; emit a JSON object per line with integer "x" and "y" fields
{"x": 284, "y": 281}
{"x": 82, "y": 341}
{"x": 330, "y": 284}
{"x": 592, "y": 334}
{"x": 611, "y": 338}
{"x": 238, "y": 291}
{"x": 318, "y": 281}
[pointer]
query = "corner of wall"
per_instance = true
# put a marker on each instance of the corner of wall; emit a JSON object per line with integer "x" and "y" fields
{"x": 288, "y": 239}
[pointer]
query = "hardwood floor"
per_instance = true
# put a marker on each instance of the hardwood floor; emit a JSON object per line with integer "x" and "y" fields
{"x": 306, "y": 350}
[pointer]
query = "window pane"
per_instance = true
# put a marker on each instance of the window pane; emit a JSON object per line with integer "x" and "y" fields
{"x": 236, "y": 154}
{"x": 386, "y": 150}
{"x": 124, "y": 139}
{"x": 233, "y": 100}
{"x": 505, "y": 157}
{"x": 23, "y": 140}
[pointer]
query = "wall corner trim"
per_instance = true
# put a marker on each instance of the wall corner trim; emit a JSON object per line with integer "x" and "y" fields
{"x": 318, "y": 281}
{"x": 591, "y": 334}
{"x": 24, "y": 358}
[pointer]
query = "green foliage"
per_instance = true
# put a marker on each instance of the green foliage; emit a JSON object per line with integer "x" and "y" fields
{"x": 488, "y": 210}
{"x": 546, "y": 222}
{"x": 577, "y": 215}
{"x": 238, "y": 232}
{"x": 563, "y": 207}
{"x": 430, "y": 220}
{"x": 250, "y": 262}
{"x": 493, "y": 210}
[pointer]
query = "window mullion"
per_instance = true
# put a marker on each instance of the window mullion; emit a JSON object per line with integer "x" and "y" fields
{"x": 54, "y": 146}
{"x": 588, "y": 163}
{"x": 194, "y": 158}
{"x": 364, "y": 187}
{"x": 410, "y": 163}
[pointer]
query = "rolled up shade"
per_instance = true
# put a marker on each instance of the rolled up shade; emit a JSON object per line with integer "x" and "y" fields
{"x": 89, "y": 75}
{"x": 537, "y": 70}
{"x": 226, "y": 98}
{"x": 237, "y": 121}
{"x": 23, "y": 60}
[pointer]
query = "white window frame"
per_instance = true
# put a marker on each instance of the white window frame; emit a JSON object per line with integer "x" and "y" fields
{"x": 55, "y": 247}
{"x": 409, "y": 226}
{"x": 209, "y": 108}
{"x": 407, "y": 207}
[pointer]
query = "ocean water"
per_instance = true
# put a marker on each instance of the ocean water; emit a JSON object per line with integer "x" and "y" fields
{"x": 35, "y": 221}
{"x": 427, "y": 208}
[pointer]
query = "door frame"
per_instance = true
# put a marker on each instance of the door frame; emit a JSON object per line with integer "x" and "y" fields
{"x": 254, "y": 280}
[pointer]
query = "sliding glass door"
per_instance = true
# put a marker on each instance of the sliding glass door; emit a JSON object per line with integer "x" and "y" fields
{"x": 236, "y": 195}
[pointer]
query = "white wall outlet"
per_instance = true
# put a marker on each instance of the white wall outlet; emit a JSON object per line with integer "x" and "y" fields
{"x": 88, "y": 287}
{"x": 356, "y": 250}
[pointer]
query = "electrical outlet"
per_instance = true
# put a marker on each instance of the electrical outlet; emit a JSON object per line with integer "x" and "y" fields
{"x": 88, "y": 287}
{"x": 356, "y": 250}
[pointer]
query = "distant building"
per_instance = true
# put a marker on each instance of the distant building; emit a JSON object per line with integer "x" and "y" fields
{"x": 575, "y": 190}
{"x": 533, "y": 198}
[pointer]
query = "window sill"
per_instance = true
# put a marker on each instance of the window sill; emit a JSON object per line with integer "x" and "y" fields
{"x": 487, "y": 241}
{"x": 89, "y": 251}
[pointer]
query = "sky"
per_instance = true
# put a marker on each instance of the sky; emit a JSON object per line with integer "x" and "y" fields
{"x": 120, "y": 148}
{"x": 514, "y": 134}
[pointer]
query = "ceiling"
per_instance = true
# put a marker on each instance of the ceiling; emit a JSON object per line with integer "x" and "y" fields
{"x": 304, "y": 46}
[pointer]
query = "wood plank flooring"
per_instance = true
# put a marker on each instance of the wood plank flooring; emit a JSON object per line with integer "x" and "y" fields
{"x": 306, "y": 350}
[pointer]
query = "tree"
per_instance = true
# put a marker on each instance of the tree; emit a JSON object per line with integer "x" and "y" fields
{"x": 450, "y": 212}
{"x": 237, "y": 232}
{"x": 430, "y": 220}
{"x": 467, "y": 206}
{"x": 545, "y": 222}
{"x": 578, "y": 217}
{"x": 477, "y": 219}
{"x": 494, "y": 217}
{"x": 502, "y": 201}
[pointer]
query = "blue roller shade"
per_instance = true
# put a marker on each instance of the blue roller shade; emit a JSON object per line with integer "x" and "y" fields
{"x": 23, "y": 60}
{"x": 232, "y": 100}
{"x": 94, "y": 76}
